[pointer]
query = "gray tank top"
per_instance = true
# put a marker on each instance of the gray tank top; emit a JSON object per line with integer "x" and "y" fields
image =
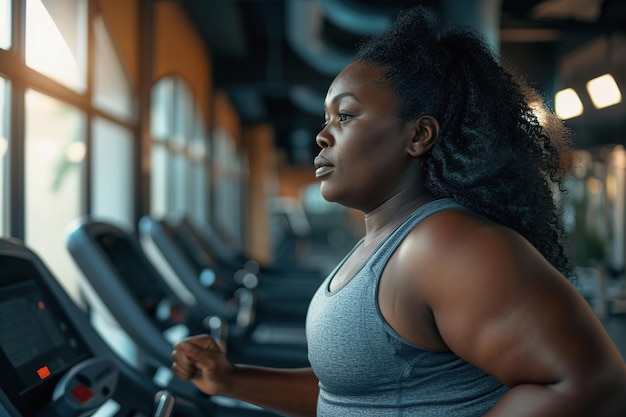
{"x": 365, "y": 368}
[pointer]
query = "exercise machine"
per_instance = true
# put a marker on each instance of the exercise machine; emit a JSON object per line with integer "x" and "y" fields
{"x": 54, "y": 364}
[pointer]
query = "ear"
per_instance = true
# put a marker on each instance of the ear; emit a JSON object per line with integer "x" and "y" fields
{"x": 425, "y": 132}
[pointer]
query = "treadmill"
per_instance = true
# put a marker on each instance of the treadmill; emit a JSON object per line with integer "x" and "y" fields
{"x": 162, "y": 242}
{"x": 275, "y": 289}
{"x": 223, "y": 248}
{"x": 54, "y": 364}
{"x": 205, "y": 246}
{"x": 125, "y": 292}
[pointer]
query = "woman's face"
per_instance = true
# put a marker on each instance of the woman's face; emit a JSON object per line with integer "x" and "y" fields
{"x": 364, "y": 158}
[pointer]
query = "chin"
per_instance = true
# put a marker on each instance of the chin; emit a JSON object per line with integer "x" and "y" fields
{"x": 328, "y": 198}
{"x": 327, "y": 194}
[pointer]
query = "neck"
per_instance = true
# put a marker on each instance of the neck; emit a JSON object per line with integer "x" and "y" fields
{"x": 385, "y": 218}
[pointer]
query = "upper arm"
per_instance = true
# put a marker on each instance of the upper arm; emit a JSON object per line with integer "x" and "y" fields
{"x": 501, "y": 306}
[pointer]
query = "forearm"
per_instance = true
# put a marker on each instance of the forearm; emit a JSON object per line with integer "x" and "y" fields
{"x": 558, "y": 400}
{"x": 292, "y": 392}
{"x": 532, "y": 400}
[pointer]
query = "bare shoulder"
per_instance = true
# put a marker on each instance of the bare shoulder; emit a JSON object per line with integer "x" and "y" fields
{"x": 466, "y": 260}
{"x": 459, "y": 244}
{"x": 449, "y": 258}
{"x": 500, "y": 305}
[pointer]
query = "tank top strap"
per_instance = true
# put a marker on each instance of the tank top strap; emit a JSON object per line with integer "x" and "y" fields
{"x": 379, "y": 258}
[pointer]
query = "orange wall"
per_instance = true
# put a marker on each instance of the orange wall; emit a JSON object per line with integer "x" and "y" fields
{"x": 178, "y": 47}
{"x": 180, "y": 50}
{"x": 226, "y": 117}
{"x": 259, "y": 143}
{"x": 121, "y": 17}
{"x": 291, "y": 180}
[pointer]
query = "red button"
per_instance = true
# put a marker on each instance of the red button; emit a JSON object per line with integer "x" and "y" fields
{"x": 81, "y": 393}
{"x": 43, "y": 372}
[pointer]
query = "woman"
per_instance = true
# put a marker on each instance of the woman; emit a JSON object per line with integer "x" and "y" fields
{"x": 456, "y": 302}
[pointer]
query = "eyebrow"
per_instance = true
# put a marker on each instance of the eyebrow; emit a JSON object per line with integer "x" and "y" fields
{"x": 340, "y": 96}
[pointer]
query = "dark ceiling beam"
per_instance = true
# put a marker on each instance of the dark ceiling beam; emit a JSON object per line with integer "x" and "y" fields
{"x": 221, "y": 26}
{"x": 481, "y": 15}
{"x": 277, "y": 63}
{"x": 304, "y": 26}
{"x": 358, "y": 18}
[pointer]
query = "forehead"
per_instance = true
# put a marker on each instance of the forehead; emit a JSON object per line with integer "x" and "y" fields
{"x": 361, "y": 80}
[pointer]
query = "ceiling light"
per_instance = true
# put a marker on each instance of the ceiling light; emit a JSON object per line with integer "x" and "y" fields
{"x": 604, "y": 91}
{"x": 567, "y": 104}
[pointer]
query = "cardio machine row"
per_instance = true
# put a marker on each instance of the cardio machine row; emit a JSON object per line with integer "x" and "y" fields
{"x": 113, "y": 358}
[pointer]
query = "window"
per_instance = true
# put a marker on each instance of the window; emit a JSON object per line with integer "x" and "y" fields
{"x": 198, "y": 172}
{"x": 5, "y": 24}
{"x": 175, "y": 149}
{"x": 54, "y": 164}
{"x": 4, "y": 146}
{"x": 56, "y": 40}
{"x": 228, "y": 172}
{"x": 112, "y": 154}
{"x": 162, "y": 127}
{"x": 112, "y": 173}
{"x": 161, "y": 122}
{"x": 158, "y": 181}
{"x": 111, "y": 88}
{"x": 178, "y": 186}
{"x": 177, "y": 145}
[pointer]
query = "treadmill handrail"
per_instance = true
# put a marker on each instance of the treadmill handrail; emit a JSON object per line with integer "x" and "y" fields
{"x": 215, "y": 303}
{"x": 98, "y": 270}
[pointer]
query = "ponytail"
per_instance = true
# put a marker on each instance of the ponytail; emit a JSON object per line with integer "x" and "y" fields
{"x": 492, "y": 154}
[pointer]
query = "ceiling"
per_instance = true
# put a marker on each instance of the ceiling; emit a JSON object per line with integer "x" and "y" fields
{"x": 276, "y": 58}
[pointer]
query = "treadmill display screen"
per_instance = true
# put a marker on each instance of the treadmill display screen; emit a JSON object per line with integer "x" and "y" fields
{"x": 37, "y": 342}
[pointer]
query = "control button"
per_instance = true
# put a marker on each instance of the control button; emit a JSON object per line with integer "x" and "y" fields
{"x": 81, "y": 393}
{"x": 43, "y": 372}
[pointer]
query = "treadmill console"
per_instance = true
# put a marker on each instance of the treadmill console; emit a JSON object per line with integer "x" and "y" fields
{"x": 53, "y": 363}
{"x": 47, "y": 368}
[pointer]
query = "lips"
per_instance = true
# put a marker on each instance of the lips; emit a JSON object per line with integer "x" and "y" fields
{"x": 322, "y": 166}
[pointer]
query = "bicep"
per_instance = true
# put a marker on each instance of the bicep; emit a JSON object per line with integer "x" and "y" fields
{"x": 514, "y": 316}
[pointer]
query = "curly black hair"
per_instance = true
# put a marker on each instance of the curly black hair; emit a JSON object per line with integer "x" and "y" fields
{"x": 492, "y": 155}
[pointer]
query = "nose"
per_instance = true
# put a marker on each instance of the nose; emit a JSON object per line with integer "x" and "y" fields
{"x": 323, "y": 138}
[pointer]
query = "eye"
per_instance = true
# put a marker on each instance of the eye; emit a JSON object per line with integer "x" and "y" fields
{"x": 343, "y": 117}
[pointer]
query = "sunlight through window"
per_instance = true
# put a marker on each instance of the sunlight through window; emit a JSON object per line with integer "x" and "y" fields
{"x": 57, "y": 51}
{"x": 111, "y": 88}
{"x": 54, "y": 175}
{"x": 5, "y": 24}
{"x": 112, "y": 191}
{"x": 75, "y": 152}
{"x": 4, "y": 147}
